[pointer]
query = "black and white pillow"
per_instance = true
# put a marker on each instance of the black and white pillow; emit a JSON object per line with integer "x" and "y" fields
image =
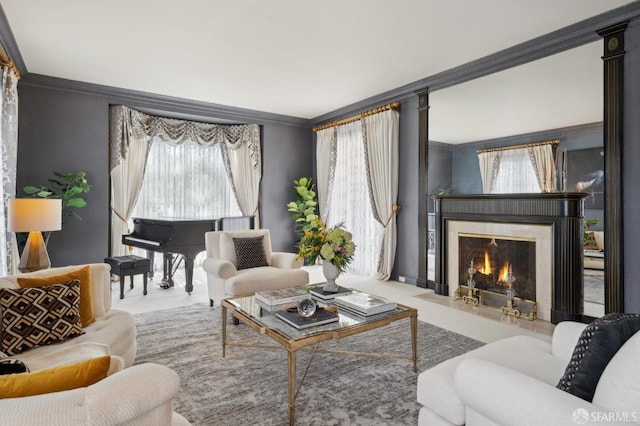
{"x": 39, "y": 316}
{"x": 12, "y": 366}
{"x": 597, "y": 344}
{"x": 250, "y": 252}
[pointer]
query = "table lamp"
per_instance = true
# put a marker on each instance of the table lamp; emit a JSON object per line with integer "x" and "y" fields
{"x": 34, "y": 215}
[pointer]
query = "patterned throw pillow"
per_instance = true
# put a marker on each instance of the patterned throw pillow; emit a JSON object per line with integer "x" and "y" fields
{"x": 250, "y": 252}
{"x": 39, "y": 316}
{"x": 12, "y": 366}
{"x": 597, "y": 344}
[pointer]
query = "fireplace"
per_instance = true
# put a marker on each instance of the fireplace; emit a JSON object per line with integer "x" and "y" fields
{"x": 532, "y": 268}
{"x": 546, "y": 230}
{"x": 500, "y": 262}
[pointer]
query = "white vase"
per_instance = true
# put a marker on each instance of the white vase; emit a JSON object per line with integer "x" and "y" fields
{"x": 330, "y": 273}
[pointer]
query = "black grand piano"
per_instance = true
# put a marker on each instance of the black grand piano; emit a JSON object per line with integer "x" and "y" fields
{"x": 178, "y": 240}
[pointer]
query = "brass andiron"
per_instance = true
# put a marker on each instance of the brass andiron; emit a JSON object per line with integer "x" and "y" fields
{"x": 511, "y": 307}
{"x": 471, "y": 297}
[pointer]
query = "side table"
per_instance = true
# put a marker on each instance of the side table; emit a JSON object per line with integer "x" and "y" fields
{"x": 129, "y": 265}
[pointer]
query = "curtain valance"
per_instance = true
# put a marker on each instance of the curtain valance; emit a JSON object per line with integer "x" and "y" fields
{"x": 126, "y": 121}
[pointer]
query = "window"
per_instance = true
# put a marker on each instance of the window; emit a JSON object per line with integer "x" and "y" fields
{"x": 350, "y": 200}
{"x": 185, "y": 181}
{"x": 516, "y": 174}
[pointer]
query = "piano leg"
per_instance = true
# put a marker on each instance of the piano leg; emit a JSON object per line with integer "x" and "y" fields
{"x": 188, "y": 272}
{"x": 167, "y": 267}
{"x": 152, "y": 256}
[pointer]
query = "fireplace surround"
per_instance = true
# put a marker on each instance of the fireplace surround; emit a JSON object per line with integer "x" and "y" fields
{"x": 560, "y": 213}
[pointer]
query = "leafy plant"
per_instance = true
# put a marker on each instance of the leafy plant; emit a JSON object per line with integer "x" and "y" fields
{"x": 588, "y": 223}
{"x": 69, "y": 187}
{"x": 334, "y": 245}
{"x": 303, "y": 210}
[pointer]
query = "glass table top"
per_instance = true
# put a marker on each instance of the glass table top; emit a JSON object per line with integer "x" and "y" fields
{"x": 265, "y": 315}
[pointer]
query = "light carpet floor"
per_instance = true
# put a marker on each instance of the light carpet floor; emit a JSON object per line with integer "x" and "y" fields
{"x": 249, "y": 386}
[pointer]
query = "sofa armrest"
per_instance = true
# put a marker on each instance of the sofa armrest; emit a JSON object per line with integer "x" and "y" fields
{"x": 565, "y": 337}
{"x": 220, "y": 268}
{"x": 285, "y": 260}
{"x": 507, "y": 397}
{"x": 138, "y": 395}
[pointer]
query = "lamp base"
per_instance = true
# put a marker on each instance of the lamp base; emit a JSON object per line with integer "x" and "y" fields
{"x": 34, "y": 256}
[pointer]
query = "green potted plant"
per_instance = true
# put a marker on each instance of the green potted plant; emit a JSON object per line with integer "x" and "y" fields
{"x": 334, "y": 245}
{"x": 69, "y": 187}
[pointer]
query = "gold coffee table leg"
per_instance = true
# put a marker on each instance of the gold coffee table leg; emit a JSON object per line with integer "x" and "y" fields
{"x": 224, "y": 330}
{"x": 414, "y": 341}
{"x": 292, "y": 387}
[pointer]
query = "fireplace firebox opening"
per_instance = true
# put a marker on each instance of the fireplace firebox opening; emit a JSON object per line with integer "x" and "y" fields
{"x": 498, "y": 271}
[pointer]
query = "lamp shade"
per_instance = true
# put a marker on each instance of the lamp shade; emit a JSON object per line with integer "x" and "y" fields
{"x": 34, "y": 214}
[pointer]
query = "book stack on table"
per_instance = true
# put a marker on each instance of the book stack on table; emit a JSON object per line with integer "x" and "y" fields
{"x": 320, "y": 317}
{"x": 281, "y": 296}
{"x": 364, "y": 304}
{"x": 318, "y": 292}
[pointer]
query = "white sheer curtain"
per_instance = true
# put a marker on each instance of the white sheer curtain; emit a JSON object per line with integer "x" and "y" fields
{"x": 351, "y": 203}
{"x": 9, "y": 146}
{"x": 516, "y": 173}
{"x": 325, "y": 165}
{"x": 185, "y": 181}
{"x": 544, "y": 166}
{"x": 381, "y": 151}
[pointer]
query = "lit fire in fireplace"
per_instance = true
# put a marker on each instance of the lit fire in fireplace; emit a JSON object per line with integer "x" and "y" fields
{"x": 503, "y": 277}
{"x": 487, "y": 269}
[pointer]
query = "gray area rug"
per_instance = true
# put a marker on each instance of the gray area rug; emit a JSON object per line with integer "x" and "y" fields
{"x": 249, "y": 386}
{"x": 594, "y": 286}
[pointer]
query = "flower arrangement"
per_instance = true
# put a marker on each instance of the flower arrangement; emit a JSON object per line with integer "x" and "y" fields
{"x": 333, "y": 244}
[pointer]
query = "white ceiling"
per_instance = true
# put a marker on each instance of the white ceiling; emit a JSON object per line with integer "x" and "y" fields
{"x": 308, "y": 58}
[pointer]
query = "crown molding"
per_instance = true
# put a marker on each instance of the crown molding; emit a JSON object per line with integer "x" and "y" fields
{"x": 163, "y": 105}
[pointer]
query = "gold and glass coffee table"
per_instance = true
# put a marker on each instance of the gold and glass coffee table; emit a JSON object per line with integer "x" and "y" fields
{"x": 262, "y": 319}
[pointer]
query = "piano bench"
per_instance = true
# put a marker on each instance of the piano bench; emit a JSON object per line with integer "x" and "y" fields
{"x": 129, "y": 265}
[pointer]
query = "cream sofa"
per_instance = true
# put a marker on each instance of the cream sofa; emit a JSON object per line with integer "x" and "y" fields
{"x": 137, "y": 395}
{"x": 513, "y": 382}
{"x": 225, "y": 280}
{"x": 594, "y": 258}
{"x": 114, "y": 328}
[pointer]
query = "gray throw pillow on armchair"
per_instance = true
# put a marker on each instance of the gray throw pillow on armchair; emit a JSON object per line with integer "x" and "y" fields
{"x": 250, "y": 252}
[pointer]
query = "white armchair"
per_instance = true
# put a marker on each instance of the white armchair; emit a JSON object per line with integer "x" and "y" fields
{"x": 497, "y": 395}
{"x": 224, "y": 279}
{"x": 513, "y": 382}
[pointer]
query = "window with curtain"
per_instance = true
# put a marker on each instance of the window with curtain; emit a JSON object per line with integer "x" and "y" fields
{"x": 187, "y": 180}
{"x": 350, "y": 199}
{"x": 516, "y": 173}
{"x": 189, "y": 169}
{"x": 526, "y": 169}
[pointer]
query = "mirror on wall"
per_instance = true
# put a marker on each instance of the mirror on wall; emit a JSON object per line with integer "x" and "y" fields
{"x": 557, "y": 97}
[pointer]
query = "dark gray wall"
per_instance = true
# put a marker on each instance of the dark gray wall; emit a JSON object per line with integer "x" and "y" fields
{"x": 67, "y": 132}
{"x": 630, "y": 168}
{"x": 406, "y": 263}
{"x": 64, "y": 127}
